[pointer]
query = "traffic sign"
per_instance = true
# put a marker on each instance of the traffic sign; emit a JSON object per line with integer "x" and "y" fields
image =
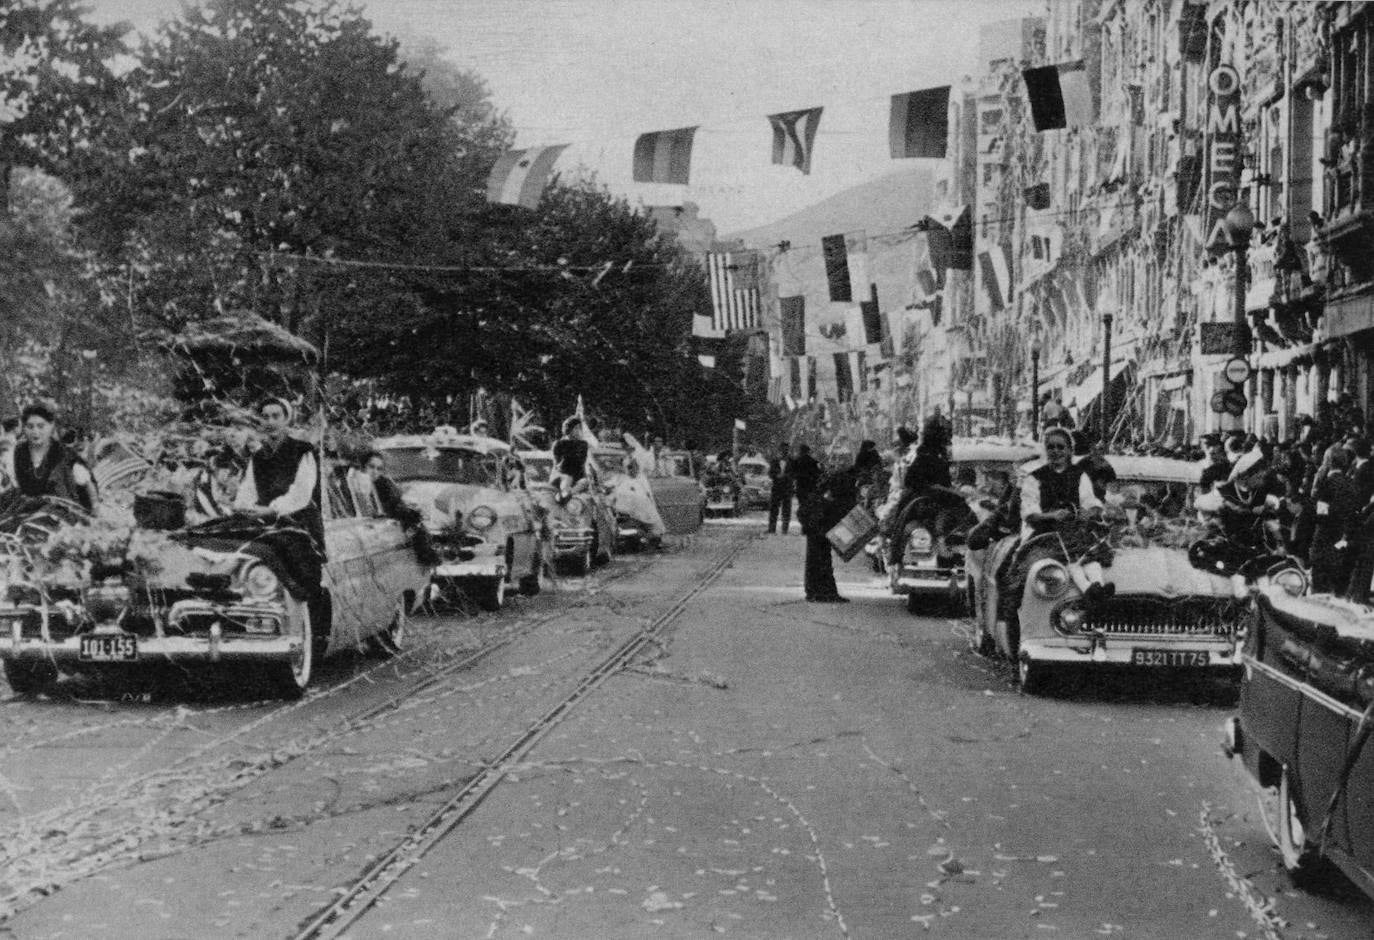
{"x": 1219, "y": 402}
{"x": 1234, "y": 401}
{"x": 1237, "y": 371}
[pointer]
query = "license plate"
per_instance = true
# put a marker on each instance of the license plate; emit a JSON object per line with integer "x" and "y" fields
{"x": 109, "y": 648}
{"x": 1170, "y": 658}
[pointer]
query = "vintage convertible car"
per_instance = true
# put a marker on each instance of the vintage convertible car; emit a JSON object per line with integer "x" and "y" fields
{"x": 1164, "y": 613}
{"x": 213, "y": 594}
{"x": 583, "y": 530}
{"x": 482, "y": 525}
{"x": 982, "y": 471}
{"x": 724, "y": 494}
{"x": 1303, "y": 728}
{"x": 757, "y": 486}
{"x": 680, "y": 496}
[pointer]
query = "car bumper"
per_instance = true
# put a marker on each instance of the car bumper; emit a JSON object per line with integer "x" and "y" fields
{"x": 1121, "y": 651}
{"x": 477, "y": 568}
{"x": 918, "y": 579}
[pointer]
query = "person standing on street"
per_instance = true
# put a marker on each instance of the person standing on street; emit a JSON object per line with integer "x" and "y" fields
{"x": 1334, "y": 495}
{"x": 806, "y": 473}
{"x": 825, "y": 506}
{"x": 780, "y": 492}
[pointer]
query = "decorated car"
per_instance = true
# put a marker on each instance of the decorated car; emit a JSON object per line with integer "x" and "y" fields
{"x": 1158, "y": 609}
{"x": 756, "y": 485}
{"x": 105, "y": 596}
{"x": 680, "y": 496}
{"x": 484, "y": 529}
{"x": 724, "y": 493}
{"x": 926, "y": 575}
{"x": 1302, "y": 731}
{"x": 582, "y": 531}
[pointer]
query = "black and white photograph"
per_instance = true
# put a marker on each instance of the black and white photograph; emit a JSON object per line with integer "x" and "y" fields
{"x": 632, "y": 469}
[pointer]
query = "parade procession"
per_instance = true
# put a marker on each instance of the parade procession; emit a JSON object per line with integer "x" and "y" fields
{"x": 603, "y": 469}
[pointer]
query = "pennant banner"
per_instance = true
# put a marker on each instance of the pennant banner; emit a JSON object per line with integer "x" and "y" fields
{"x": 794, "y": 370}
{"x": 664, "y": 156}
{"x": 949, "y": 238}
{"x": 794, "y": 134}
{"x": 919, "y": 124}
{"x": 836, "y": 254}
{"x": 995, "y": 265}
{"x": 735, "y": 305}
{"x": 520, "y": 176}
{"x": 793, "y": 311}
{"x": 1060, "y": 96}
{"x": 872, "y": 321}
{"x": 844, "y": 382}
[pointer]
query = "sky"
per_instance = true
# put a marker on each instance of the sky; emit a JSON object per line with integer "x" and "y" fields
{"x": 596, "y": 73}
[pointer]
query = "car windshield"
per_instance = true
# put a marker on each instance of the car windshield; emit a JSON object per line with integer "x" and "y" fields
{"x": 449, "y": 464}
{"x": 538, "y": 470}
{"x": 674, "y": 465}
{"x": 1167, "y": 499}
{"x": 988, "y": 479}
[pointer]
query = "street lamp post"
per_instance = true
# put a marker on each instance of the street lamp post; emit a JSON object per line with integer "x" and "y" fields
{"x": 1106, "y": 371}
{"x": 1035, "y": 386}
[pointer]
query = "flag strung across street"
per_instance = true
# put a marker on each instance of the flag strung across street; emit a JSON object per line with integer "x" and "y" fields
{"x": 836, "y": 254}
{"x": 1060, "y": 96}
{"x": 995, "y": 265}
{"x": 949, "y": 238}
{"x": 794, "y": 135}
{"x": 664, "y": 156}
{"x": 519, "y": 176}
{"x": 793, "y": 312}
{"x": 919, "y": 124}
{"x": 734, "y": 279}
{"x": 844, "y": 382}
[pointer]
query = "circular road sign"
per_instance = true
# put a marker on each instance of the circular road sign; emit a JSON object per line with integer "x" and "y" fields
{"x": 1219, "y": 402}
{"x": 1237, "y": 371}
{"x": 1234, "y": 401}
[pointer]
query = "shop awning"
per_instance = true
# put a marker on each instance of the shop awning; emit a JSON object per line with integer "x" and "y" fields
{"x": 1090, "y": 388}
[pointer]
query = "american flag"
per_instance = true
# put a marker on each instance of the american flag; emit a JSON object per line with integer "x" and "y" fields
{"x": 734, "y": 279}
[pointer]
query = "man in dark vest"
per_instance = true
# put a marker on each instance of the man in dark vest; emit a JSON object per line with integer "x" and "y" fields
{"x": 44, "y": 466}
{"x": 282, "y": 486}
{"x": 780, "y": 493}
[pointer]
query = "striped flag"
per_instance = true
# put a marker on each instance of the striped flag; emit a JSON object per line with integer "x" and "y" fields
{"x": 664, "y": 156}
{"x": 1060, "y": 96}
{"x": 794, "y": 134}
{"x": 519, "y": 176}
{"x": 949, "y": 238}
{"x": 734, "y": 281}
{"x": 794, "y": 371}
{"x": 844, "y": 380}
{"x": 835, "y": 252}
{"x": 919, "y": 124}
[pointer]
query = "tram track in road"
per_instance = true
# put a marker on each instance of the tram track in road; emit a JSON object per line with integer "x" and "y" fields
{"x": 354, "y": 900}
{"x": 71, "y": 841}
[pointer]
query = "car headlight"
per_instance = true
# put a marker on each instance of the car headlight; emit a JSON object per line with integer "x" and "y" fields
{"x": 575, "y": 506}
{"x": 261, "y": 583}
{"x": 1293, "y": 581}
{"x": 1050, "y": 581}
{"x": 483, "y": 517}
{"x": 918, "y": 540}
{"x": 1071, "y": 618}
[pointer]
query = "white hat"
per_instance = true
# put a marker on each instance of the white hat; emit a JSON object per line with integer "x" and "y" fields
{"x": 1246, "y": 463}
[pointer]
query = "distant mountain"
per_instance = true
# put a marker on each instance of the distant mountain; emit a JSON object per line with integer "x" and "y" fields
{"x": 886, "y": 204}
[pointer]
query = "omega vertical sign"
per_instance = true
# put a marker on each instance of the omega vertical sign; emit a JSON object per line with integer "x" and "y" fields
{"x": 1223, "y": 151}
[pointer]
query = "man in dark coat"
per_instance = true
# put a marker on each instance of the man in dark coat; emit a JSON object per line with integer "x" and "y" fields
{"x": 1218, "y": 468}
{"x": 806, "y": 473}
{"x": 780, "y": 491}
{"x": 1334, "y": 495}
{"x": 832, "y": 498}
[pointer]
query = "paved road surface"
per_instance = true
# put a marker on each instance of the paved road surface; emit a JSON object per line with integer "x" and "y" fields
{"x": 764, "y": 768}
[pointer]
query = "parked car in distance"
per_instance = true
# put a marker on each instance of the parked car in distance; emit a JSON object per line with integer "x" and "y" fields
{"x": 757, "y": 486}
{"x": 680, "y": 496}
{"x": 481, "y": 523}
{"x": 581, "y": 531}
{"x": 1302, "y": 731}
{"x": 211, "y": 596}
{"x": 1165, "y": 613}
{"x": 921, "y": 575}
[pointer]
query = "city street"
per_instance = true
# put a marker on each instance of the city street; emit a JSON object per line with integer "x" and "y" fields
{"x": 753, "y": 766}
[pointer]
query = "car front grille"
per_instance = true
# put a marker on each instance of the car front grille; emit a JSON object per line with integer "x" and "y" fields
{"x": 1144, "y": 615}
